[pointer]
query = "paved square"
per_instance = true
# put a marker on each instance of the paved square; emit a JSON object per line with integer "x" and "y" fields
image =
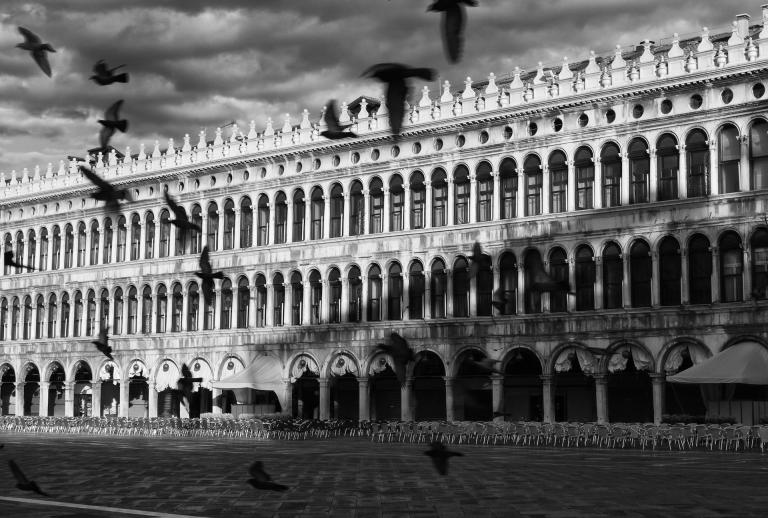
{"x": 356, "y": 478}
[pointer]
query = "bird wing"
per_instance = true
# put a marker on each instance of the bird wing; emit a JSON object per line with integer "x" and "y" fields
{"x": 453, "y": 25}
{"x": 96, "y": 179}
{"x": 257, "y": 471}
{"x": 16, "y": 470}
{"x": 178, "y": 210}
{"x": 440, "y": 463}
{"x": 100, "y": 68}
{"x": 185, "y": 371}
{"x": 41, "y": 58}
{"x": 104, "y": 135}
{"x": 396, "y": 94}
{"x": 103, "y": 336}
{"x": 205, "y": 261}
{"x": 330, "y": 118}
{"x": 377, "y": 69}
{"x": 29, "y": 36}
{"x": 112, "y": 113}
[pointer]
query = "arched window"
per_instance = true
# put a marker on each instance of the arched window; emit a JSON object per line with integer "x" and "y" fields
{"x": 165, "y": 233}
{"x": 281, "y": 218}
{"x": 162, "y": 308}
{"x": 209, "y": 320}
{"x": 90, "y": 317}
{"x": 438, "y": 288}
{"x": 670, "y": 272}
{"x": 149, "y": 236}
{"x": 299, "y": 213}
{"x": 355, "y": 294}
{"x": 376, "y": 206}
{"x": 613, "y": 276}
{"x": 356, "y": 209}
{"x": 3, "y": 318}
{"x": 212, "y": 239}
{"x": 52, "y": 312}
{"x": 226, "y": 304}
{"x": 508, "y": 281}
{"x": 135, "y": 237}
{"x": 244, "y": 300}
{"x": 94, "y": 251}
{"x": 418, "y": 201}
{"x": 317, "y": 210}
{"x": 585, "y": 279}
{"x": 640, "y": 269}
{"x": 7, "y": 247}
{"x": 104, "y": 308}
{"x": 396, "y": 201}
{"x": 108, "y": 239}
{"x": 229, "y": 224}
{"x": 508, "y": 199}
{"x": 122, "y": 236}
{"x": 759, "y": 246}
{"x": 337, "y": 210}
{"x": 43, "y": 264}
{"x": 639, "y": 171}
{"x": 193, "y": 306}
{"x": 69, "y": 245}
{"x": 700, "y": 270}
{"x": 394, "y": 292}
{"x": 56, "y": 248}
{"x": 262, "y": 237}
{"x": 731, "y": 267}
{"x": 484, "y": 192}
{"x": 297, "y": 299}
{"x": 117, "y": 325}
{"x": 19, "y": 252}
{"x": 558, "y": 177}
{"x": 460, "y": 288}
{"x": 195, "y": 237}
{"x": 76, "y": 330}
{"x": 278, "y": 288}
{"x": 374, "y": 293}
{"x": 484, "y": 286}
{"x": 133, "y": 309}
{"x": 27, "y": 326}
{"x": 180, "y": 241}
{"x": 729, "y": 152}
{"x": 416, "y": 288}
{"x": 40, "y": 322}
{"x": 558, "y": 271}
{"x": 31, "y": 249}
{"x": 533, "y": 263}
{"x": 246, "y": 223}
{"x": 461, "y": 195}
{"x": 334, "y": 289}
{"x": 16, "y": 317}
{"x": 697, "y": 159}
{"x": 146, "y": 310}
{"x": 584, "y": 163}
{"x": 668, "y": 165}
{"x": 316, "y": 296}
{"x": 758, "y": 154}
{"x": 533, "y": 183}
{"x": 439, "y": 198}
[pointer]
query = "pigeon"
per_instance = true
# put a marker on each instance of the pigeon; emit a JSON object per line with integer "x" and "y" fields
{"x": 23, "y": 482}
{"x": 102, "y": 344}
{"x": 185, "y": 384}
{"x": 500, "y": 301}
{"x": 395, "y": 76}
{"x": 401, "y": 354}
{"x": 104, "y": 76}
{"x": 107, "y": 192}
{"x": 182, "y": 220}
{"x": 486, "y": 365}
{"x": 475, "y": 259}
{"x": 440, "y": 455}
{"x": 34, "y": 44}
{"x": 541, "y": 281}
{"x": 335, "y": 130}
{"x": 110, "y": 123}
{"x": 10, "y": 262}
{"x": 453, "y": 25}
{"x": 261, "y": 480}
{"x": 207, "y": 275}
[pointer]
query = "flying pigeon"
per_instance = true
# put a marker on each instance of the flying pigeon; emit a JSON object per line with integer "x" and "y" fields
{"x": 207, "y": 275}
{"x": 185, "y": 384}
{"x": 102, "y": 344}
{"x": 261, "y": 480}
{"x": 541, "y": 281}
{"x": 395, "y": 76}
{"x": 107, "y": 192}
{"x": 35, "y": 45}
{"x": 453, "y": 25}
{"x": 440, "y": 455}
{"x": 182, "y": 220}
{"x": 23, "y": 482}
{"x": 401, "y": 354}
{"x": 475, "y": 259}
{"x": 110, "y": 123}
{"x": 500, "y": 301}
{"x": 486, "y": 365}
{"x": 104, "y": 75}
{"x": 10, "y": 261}
{"x": 335, "y": 130}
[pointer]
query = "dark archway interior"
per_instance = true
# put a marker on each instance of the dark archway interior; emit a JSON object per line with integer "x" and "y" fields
{"x": 630, "y": 395}
{"x": 574, "y": 394}
{"x": 344, "y": 397}
{"x": 472, "y": 393}
{"x": 428, "y": 387}
{"x": 523, "y": 387}
{"x": 385, "y": 388}
{"x": 306, "y": 396}
{"x": 7, "y": 391}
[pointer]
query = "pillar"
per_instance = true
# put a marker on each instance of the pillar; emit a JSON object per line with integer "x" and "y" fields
{"x": 19, "y": 398}
{"x": 449, "y": 410}
{"x": 69, "y": 399}
{"x": 324, "y": 398}
{"x": 626, "y": 284}
{"x": 472, "y": 198}
{"x": 598, "y": 282}
{"x": 570, "y": 300}
{"x": 520, "y": 292}
{"x": 220, "y": 236}
{"x": 307, "y": 228}
{"x": 655, "y": 279}
{"x": 496, "y": 198}
{"x": 363, "y": 306}
{"x": 657, "y": 380}
{"x": 306, "y": 318}
{"x": 289, "y": 221}
{"x": 216, "y": 400}
{"x": 520, "y": 194}
{"x": 684, "y": 287}
{"x": 406, "y": 206}
{"x": 363, "y": 399}
{"x": 497, "y": 388}
{"x": 152, "y": 396}
{"x": 172, "y": 250}
{"x": 96, "y": 398}
{"x": 288, "y": 397}
{"x": 387, "y": 211}
{"x": 746, "y": 274}
{"x": 597, "y": 189}
{"x": 548, "y": 402}
{"x": 682, "y": 174}
{"x": 601, "y": 398}
{"x": 344, "y": 305}
{"x": 449, "y": 293}
{"x": 406, "y": 412}
{"x": 366, "y": 211}
{"x": 571, "y": 187}
{"x": 653, "y": 181}
{"x": 715, "y": 274}
{"x": 269, "y": 310}
{"x": 236, "y": 230}
{"x": 428, "y": 203}
{"x": 451, "y": 201}
{"x": 45, "y": 387}
{"x": 326, "y": 217}
{"x": 545, "y": 190}
{"x": 714, "y": 170}
{"x": 625, "y": 181}
{"x": 125, "y": 382}
{"x": 203, "y": 229}
{"x": 143, "y": 240}
{"x": 427, "y": 295}
{"x": 744, "y": 164}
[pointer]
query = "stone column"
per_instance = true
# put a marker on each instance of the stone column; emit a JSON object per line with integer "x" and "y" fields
{"x": 655, "y": 279}
{"x": 449, "y": 293}
{"x": 33, "y": 331}
{"x": 451, "y": 201}
{"x": 598, "y": 282}
{"x": 548, "y": 401}
{"x": 152, "y": 396}
{"x": 344, "y": 217}
{"x": 125, "y": 382}
{"x": 324, "y": 398}
{"x": 406, "y": 301}
{"x": 236, "y": 230}
{"x": 746, "y": 274}
{"x": 473, "y": 296}
{"x": 387, "y": 211}
{"x": 269, "y": 318}
{"x": 307, "y": 216}
{"x": 571, "y": 187}
{"x": 714, "y": 169}
{"x": 220, "y": 236}
{"x": 626, "y": 283}
{"x": 406, "y": 206}
{"x": 203, "y": 229}
{"x": 184, "y": 310}
{"x": 521, "y": 287}
{"x": 428, "y": 204}
{"x": 19, "y": 403}
{"x": 546, "y": 190}
{"x": 715, "y": 274}
{"x": 172, "y": 242}
{"x": 289, "y": 221}
{"x": 427, "y": 295}
{"x": 326, "y": 217}
{"x": 216, "y": 400}
{"x": 496, "y": 198}
{"x": 111, "y": 314}
{"x": 129, "y": 239}
{"x": 363, "y": 399}
{"x": 684, "y": 287}
{"x": 744, "y": 180}
{"x": 49, "y": 255}
{"x": 472, "y": 198}
{"x": 184, "y": 408}
{"x": 96, "y": 398}
{"x": 271, "y": 221}
{"x": 158, "y": 231}
{"x": 366, "y": 211}
{"x": 520, "y": 195}
{"x": 87, "y": 258}
{"x": 653, "y": 182}
{"x": 682, "y": 174}
{"x": 497, "y": 388}
{"x": 306, "y": 318}
{"x": 597, "y": 190}
{"x": 363, "y": 306}
{"x": 449, "y": 410}
{"x": 142, "y": 241}
{"x": 384, "y": 302}
{"x": 658, "y": 397}
{"x": 571, "y": 299}
{"x": 625, "y": 179}
{"x": 44, "y": 402}
{"x": 200, "y": 311}
{"x": 406, "y": 412}
{"x": 601, "y": 398}
{"x": 344, "y": 305}
{"x": 69, "y": 399}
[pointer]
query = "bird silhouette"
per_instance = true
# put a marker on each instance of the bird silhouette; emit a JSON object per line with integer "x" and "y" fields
{"x": 23, "y": 482}
{"x": 261, "y": 480}
{"x": 102, "y": 344}
{"x": 475, "y": 259}
{"x": 186, "y": 384}
{"x": 35, "y": 45}
{"x": 500, "y": 301}
{"x": 335, "y": 130}
{"x": 542, "y": 282}
{"x": 207, "y": 275}
{"x": 104, "y": 75}
{"x": 110, "y": 123}
{"x": 401, "y": 354}
{"x": 396, "y": 76}
{"x": 486, "y": 365}
{"x": 11, "y": 262}
{"x": 182, "y": 221}
{"x": 453, "y": 25}
{"x": 440, "y": 455}
{"x": 106, "y": 192}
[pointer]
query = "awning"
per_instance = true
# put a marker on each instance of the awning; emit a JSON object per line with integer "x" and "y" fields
{"x": 265, "y": 373}
{"x": 746, "y": 362}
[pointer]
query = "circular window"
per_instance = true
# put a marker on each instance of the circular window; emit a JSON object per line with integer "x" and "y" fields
{"x": 507, "y": 132}
{"x": 34, "y": 209}
{"x": 165, "y": 187}
{"x": 165, "y": 367}
{"x": 151, "y": 192}
{"x": 532, "y": 128}
{"x": 45, "y": 209}
{"x": 246, "y": 175}
{"x": 280, "y": 170}
{"x": 460, "y": 140}
{"x": 229, "y": 177}
{"x": 484, "y": 137}
{"x": 355, "y": 157}
{"x": 197, "y": 366}
{"x": 438, "y": 144}
{"x": 21, "y": 212}
{"x": 230, "y": 365}
{"x": 9, "y": 215}
{"x": 316, "y": 164}
{"x": 557, "y": 124}
{"x": 82, "y": 202}
{"x": 336, "y": 160}
{"x": 136, "y": 194}
{"x": 262, "y": 172}
{"x": 299, "y": 167}
{"x": 610, "y": 116}
{"x": 181, "y": 186}
{"x": 57, "y": 210}
{"x": 583, "y": 120}
{"x": 637, "y": 111}
{"x": 375, "y": 154}
{"x": 727, "y": 96}
{"x": 197, "y": 186}
{"x": 395, "y": 150}
{"x": 416, "y": 148}
{"x": 758, "y": 90}
{"x": 695, "y": 101}
{"x": 666, "y": 106}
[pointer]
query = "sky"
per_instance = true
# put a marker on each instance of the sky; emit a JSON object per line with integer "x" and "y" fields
{"x": 197, "y": 65}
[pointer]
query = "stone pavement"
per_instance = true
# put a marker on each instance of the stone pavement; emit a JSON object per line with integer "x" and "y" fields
{"x": 356, "y": 478}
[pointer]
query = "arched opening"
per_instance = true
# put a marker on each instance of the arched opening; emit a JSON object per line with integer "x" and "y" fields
{"x": 670, "y": 271}
{"x": 759, "y": 246}
{"x": 584, "y": 164}
{"x": 385, "y": 389}
{"x": 246, "y": 223}
{"x": 202, "y": 400}
{"x": 138, "y": 390}
{"x": 533, "y": 185}
{"x": 484, "y": 286}
{"x": 428, "y": 387}
{"x": 699, "y": 270}
{"x": 315, "y": 296}
{"x": 135, "y": 237}
{"x": 416, "y": 290}
{"x": 508, "y": 279}
{"x": 31, "y": 394}
{"x": 558, "y": 272}
{"x": 418, "y": 201}
{"x": 7, "y": 389}
{"x": 168, "y": 397}
{"x": 668, "y": 159}
{"x": 630, "y": 393}
{"x": 472, "y": 396}
{"x": 133, "y": 309}
{"x": 613, "y": 276}
{"x": 317, "y": 210}
{"x": 355, "y": 284}
{"x": 484, "y": 192}
{"x": 684, "y": 398}
{"x": 508, "y": 179}
{"x": 226, "y": 304}
{"x": 639, "y": 171}
{"x": 149, "y": 236}
{"x": 729, "y": 153}
{"x": 337, "y": 210}
{"x": 278, "y": 304}
{"x": 697, "y": 158}
{"x": 532, "y": 296}
{"x": 585, "y": 278}
{"x": 177, "y": 308}
{"x": 165, "y": 233}
{"x": 439, "y": 198}
{"x": 195, "y": 236}
{"x": 227, "y": 400}
{"x": 83, "y": 390}
{"x": 758, "y": 154}
{"x": 162, "y": 307}
{"x": 229, "y": 225}
{"x": 262, "y": 237}
{"x": 94, "y": 251}
{"x": 461, "y": 189}
{"x": 396, "y": 202}
{"x": 108, "y": 404}
{"x": 356, "y": 209}
{"x": 212, "y": 239}
{"x": 640, "y": 272}
{"x": 244, "y": 302}
{"x": 522, "y": 397}
{"x": 281, "y": 218}
{"x": 56, "y": 393}
{"x": 558, "y": 177}
{"x": 343, "y": 388}
{"x": 376, "y": 206}
{"x": 394, "y": 292}
{"x": 460, "y": 288}
{"x": 297, "y": 299}
{"x": 731, "y": 267}
{"x": 299, "y": 215}
{"x": 374, "y": 293}
{"x": 69, "y": 244}
{"x": 438, "y": 289}
{"x": 574, "y": 386}
{"x": 305, "y": 388}
{"x": 193, "y": 306}
{"x": 334, "y": 302}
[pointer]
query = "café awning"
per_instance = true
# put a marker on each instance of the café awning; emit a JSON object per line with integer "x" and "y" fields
{"x": 265, "y": 373}
{"x": 746, "y": 362}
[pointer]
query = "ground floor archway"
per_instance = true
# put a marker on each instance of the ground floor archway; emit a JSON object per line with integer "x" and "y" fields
{"x": 428, "y": 387}
{"x": 522, "y": 398}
